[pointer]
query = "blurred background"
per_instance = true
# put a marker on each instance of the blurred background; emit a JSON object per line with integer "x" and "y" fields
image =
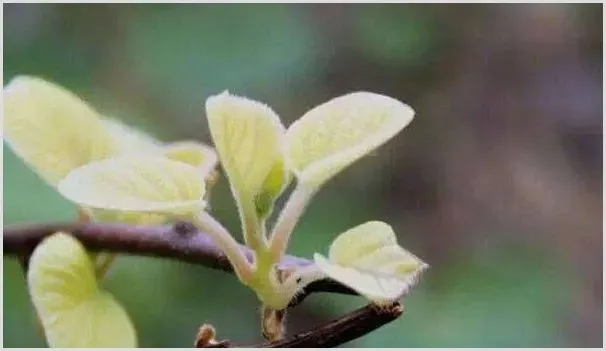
{"x": 497, "y": 183}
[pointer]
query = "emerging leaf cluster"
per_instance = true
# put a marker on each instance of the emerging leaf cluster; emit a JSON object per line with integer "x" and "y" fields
{"x": 116, "y": 173}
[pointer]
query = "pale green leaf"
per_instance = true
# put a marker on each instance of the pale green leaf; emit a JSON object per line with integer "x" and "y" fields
{"x": 129, "y": 139}
{"x": 194, "y": 153}
{"x": 73, "y": 311}
{"x": 333, "y": 135}
{"x": 368, "y": 259}
{"x": 248, "y": 137}
{"x": 51, "y": 129}
{"x": 128, "y": 217}
{"x": 361, "y": 240}
{"x": 136, "y": 184}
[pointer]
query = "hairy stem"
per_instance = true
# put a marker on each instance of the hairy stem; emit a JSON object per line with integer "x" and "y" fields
{"x": 252, "y": 227}
{"x": 290, "y": 215}
{"x": 226, "y": 243}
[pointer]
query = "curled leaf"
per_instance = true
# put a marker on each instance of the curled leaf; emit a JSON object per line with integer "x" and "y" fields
{"x": 136, "y": 184}
{"x": 276, "y": 182}
{"x": 73, "y": 311}
{"x": 368, "y": 259}
{"x": 52, "y": 129}
{"x": 334, "y": 135}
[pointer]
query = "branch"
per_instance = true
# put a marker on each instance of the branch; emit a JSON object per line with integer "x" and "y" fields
{"x": 349, "y": 327}
{"x": 181, "y": 241}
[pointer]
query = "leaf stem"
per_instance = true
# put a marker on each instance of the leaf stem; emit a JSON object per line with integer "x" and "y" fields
{"x": 226, "y": 243}
{"x": 252, "y": 228}
{"x": 290, "y": 215}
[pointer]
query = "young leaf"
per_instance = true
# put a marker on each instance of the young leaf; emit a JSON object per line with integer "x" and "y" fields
{"x": 334, "y": 135}
{"x": 136, "y": 184}
{"x": 128, "y": 217}
{"x": 276, "y": 182}
{"x": 73, "y": 311}
{"x": 368, "y": 259}
{"x": 248, "y": 137}
{"x": 194, "y": 153}
{"x": 129, "y": 139}
{"x": 51, "y": 129}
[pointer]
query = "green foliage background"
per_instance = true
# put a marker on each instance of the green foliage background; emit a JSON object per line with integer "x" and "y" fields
{"x": 507, "y": 269}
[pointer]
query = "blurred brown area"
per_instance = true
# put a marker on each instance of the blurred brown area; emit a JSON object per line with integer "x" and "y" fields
{"x": 505, "y": 149}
